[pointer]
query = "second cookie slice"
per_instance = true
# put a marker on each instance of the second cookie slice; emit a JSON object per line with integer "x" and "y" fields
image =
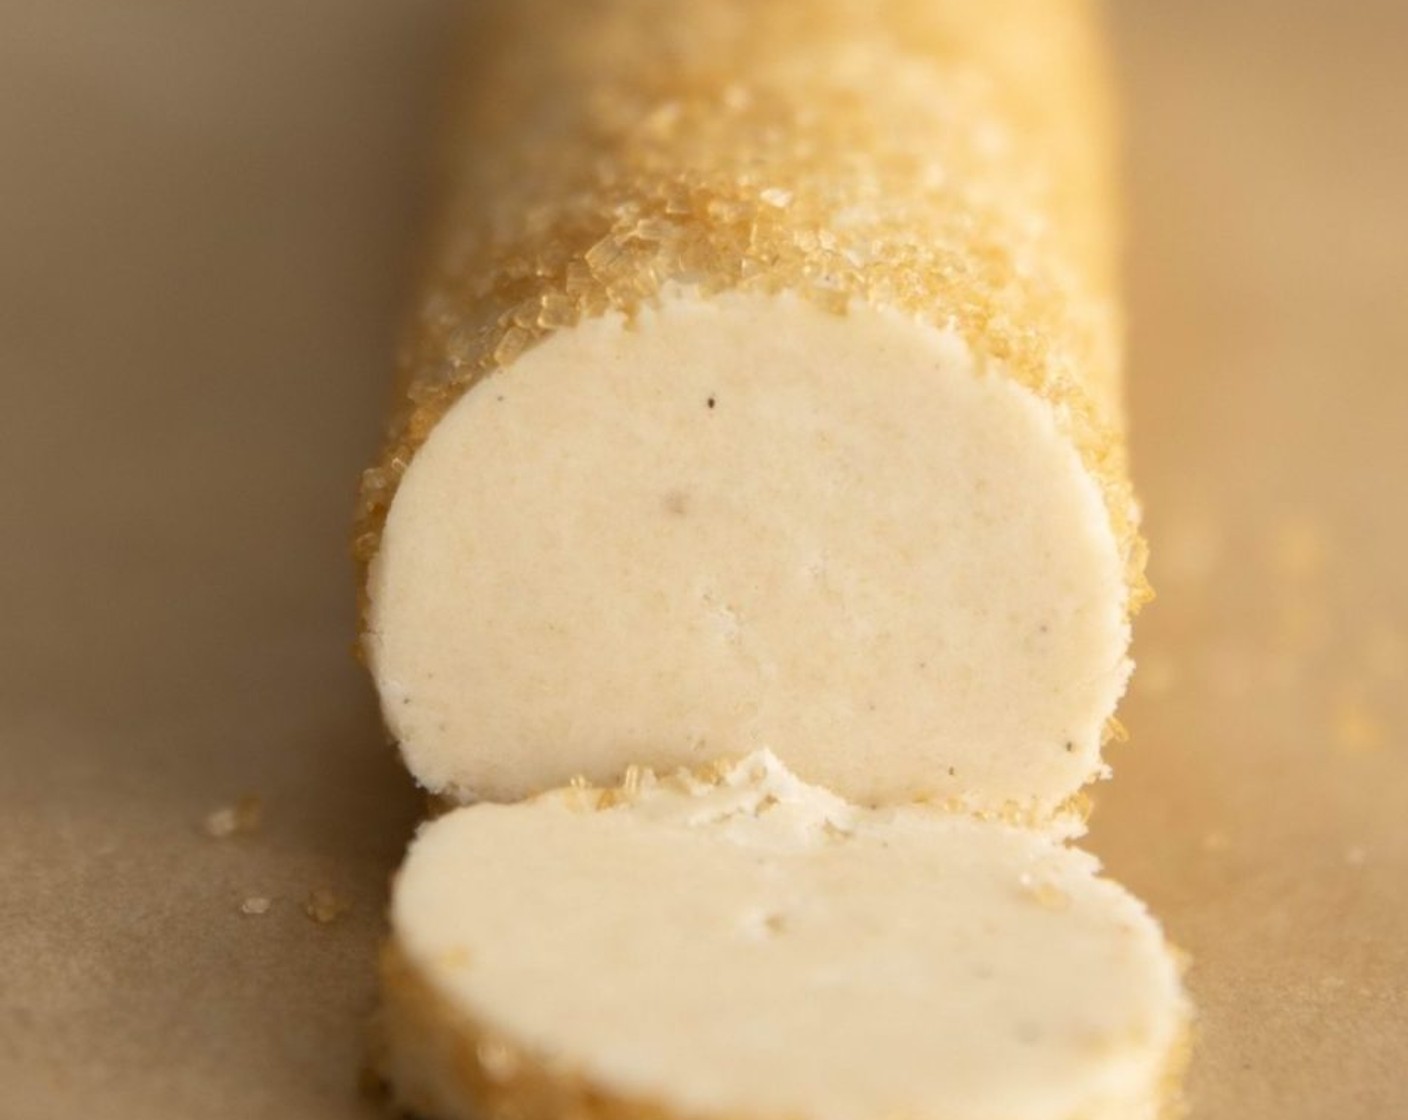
{"x": 744, "y": 944}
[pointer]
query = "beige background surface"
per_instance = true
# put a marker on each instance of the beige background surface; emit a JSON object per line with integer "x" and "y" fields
{"x": 205, "y": 219}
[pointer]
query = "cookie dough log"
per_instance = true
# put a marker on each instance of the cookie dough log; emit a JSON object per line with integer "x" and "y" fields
{"x": 750, "y": 946}
{"x": 763, "y": 393}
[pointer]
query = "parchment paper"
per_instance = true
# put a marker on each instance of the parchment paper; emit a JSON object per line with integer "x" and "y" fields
{"x": 207, "y": 214}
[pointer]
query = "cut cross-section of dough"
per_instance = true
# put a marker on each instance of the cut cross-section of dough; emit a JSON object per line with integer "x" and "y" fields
{"x": 745, "y": 945}
{"x": 743, "y": 522}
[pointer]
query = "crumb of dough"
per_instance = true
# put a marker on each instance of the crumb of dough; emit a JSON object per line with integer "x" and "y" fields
{"x": 256, "y": 904}
{"x": 325, "y": 906}
{"x": 241, "y": 817}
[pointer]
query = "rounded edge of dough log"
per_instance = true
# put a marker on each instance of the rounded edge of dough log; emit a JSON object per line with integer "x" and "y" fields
{"x": 840, "y": 964}
{"x": 744, "y": 522}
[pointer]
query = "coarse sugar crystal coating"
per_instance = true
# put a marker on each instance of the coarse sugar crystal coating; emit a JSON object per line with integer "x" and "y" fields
{"x": 948, "y": 160}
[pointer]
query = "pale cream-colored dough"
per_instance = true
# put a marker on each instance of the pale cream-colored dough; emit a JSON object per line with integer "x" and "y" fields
{"x": 755, "y": 947}
{"x": 743, "y": 522}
